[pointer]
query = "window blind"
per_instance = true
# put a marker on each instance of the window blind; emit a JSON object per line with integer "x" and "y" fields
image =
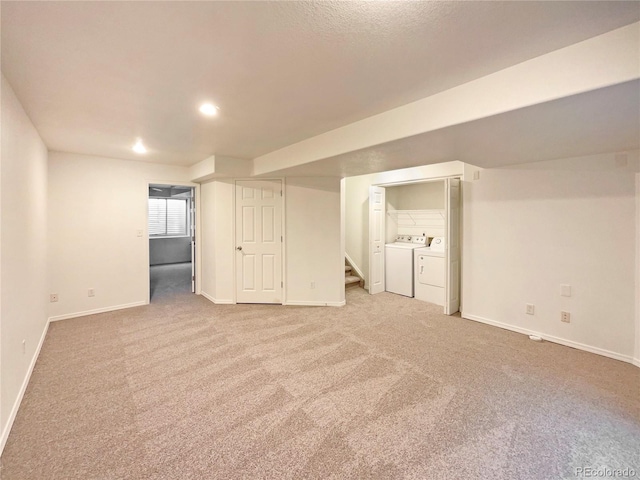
{"x": 176, "y": 217}
{"x": 168, "y": 216}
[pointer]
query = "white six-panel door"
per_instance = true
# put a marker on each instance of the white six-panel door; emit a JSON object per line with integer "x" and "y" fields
{"x": 259, "y": 241}
{"x": 377, "y": 207}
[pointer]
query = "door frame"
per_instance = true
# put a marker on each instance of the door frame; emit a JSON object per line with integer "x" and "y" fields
{"x": 426, "y": 180}
{"x": 196, "y": 202}
{"x": 448, "y": 253}
{"x": 284, "y": 236}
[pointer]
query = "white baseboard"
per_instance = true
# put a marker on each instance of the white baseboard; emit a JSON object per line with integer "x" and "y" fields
{"x": 554, "y": 339}
{"x": 302, "y": 303}
{"x": 311, "y": 303}
{"x": 207, "y": 296}
{"x": 23, "y": 389}
{"x": 636, "y": 362}
{"x": 216, "y": 301}
{"x": 97, "y": 310}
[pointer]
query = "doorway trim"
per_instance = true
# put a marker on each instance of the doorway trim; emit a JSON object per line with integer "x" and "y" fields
{"x": 443, "y": 178}
{"x": 421, "y": 180}
{"x": 196, "y": 201}
{"x": 283, "y": 183}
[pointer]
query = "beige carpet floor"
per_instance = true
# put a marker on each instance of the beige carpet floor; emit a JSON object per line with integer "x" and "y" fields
{"x": 386, "y": 387}
{"x": 169, "y": 279}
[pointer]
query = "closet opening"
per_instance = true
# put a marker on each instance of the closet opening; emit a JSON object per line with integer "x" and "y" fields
{"x": 414, "y": 241}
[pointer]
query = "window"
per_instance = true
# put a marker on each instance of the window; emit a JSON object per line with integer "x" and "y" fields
{"x": 168, "y": 217}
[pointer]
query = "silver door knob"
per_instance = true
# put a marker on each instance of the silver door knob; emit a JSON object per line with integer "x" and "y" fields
{"x": 238, "y": 248}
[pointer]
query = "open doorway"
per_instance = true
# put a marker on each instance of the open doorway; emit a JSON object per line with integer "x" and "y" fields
{"x": 171, "y": 227}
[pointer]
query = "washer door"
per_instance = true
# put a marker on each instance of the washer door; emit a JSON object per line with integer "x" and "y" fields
{"x": 399, "y": 271}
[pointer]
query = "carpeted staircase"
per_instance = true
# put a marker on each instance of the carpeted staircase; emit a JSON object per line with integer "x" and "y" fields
{"x": 351, "y": 278}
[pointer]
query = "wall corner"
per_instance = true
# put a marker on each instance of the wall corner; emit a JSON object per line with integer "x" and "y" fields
{"x": 636, "y": 360}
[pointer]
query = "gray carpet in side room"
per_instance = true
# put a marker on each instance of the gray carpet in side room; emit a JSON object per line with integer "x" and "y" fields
{"x": 168, "y": 280}
{"x": 385, "y": 387}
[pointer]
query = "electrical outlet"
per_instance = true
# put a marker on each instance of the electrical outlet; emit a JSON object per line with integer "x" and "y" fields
{"x": 92, "y": 292}
{"x": 139, "y": 233}
{"x": 476, "y": 175}
{"x": 565, "y": 317}
{"x": 530, "y": 309}
{"x": 565, "y": 290}
{"x": 53, "y": 297}
{"x": 313, "y": 285}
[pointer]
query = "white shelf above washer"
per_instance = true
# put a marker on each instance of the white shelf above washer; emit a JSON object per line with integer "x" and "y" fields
{"x": 418, "y": 218}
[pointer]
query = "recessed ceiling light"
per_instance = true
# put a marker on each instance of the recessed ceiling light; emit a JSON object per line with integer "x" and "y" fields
{"x": 209, "y": 109}
{"x": 139, "y": 147}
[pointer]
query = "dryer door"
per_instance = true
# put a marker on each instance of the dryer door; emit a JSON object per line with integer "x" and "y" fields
{"x": 431, "y": 270}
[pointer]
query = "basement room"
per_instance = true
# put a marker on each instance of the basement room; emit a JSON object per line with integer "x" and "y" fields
{"x": 311, "y": 240}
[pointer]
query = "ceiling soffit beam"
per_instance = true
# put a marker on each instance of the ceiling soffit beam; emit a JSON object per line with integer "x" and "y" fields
{"x": 605, "y": 60}
{"x": 219, "y": 166}
{"x": 203, "y": 170}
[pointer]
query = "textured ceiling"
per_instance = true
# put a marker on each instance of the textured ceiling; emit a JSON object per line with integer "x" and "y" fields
{"x": 93, "y": 76}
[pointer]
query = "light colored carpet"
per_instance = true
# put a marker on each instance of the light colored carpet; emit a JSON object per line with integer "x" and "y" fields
{"x": 386, "y": 387}
{"x": 168, "y": 280}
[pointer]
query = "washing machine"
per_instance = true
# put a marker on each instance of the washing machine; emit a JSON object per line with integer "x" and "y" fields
{"x": 398, "y": 258}
{"x": 429, "y": 272}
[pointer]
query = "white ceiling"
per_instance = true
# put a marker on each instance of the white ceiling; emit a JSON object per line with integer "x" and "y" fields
{"x": 93, "y": 76}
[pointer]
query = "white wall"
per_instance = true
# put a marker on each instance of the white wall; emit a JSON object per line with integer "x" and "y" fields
{"x": 313, "y": 241}
{"x": 527, "y": 230}
{"x": 312, "y": 236}
{"x": 391, "y": 227}
{"x": 169, "y": 250}
{"x": 418, "y": 196}
{"x": 217, "y": 245}
{"x": 224, "y": 240}
{"x": 207, "y": 246}
{"x": 637, "y": 348}
{"x": 96, "y": 208}
{"x": 357, "y": 222}
{"x": 23, "y": 249}
{"x": 357, "y": 204}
